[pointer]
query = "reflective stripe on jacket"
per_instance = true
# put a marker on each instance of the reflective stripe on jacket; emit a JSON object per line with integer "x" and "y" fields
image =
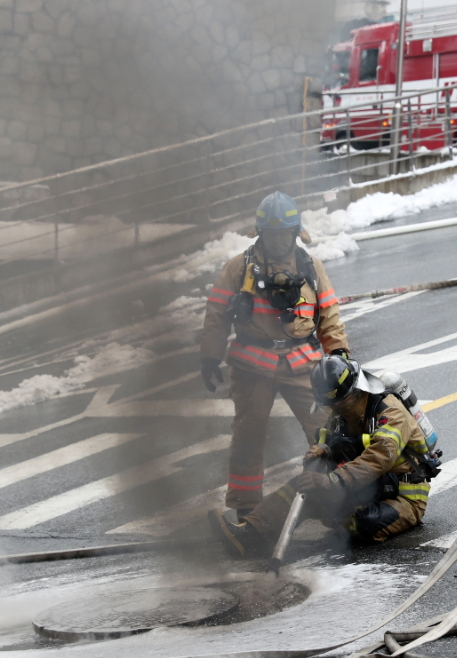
{"x": 264, "y": 324}
{"x": 383, "y": 452}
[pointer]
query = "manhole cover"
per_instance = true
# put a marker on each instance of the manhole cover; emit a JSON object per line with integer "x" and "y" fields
{"x": 129, "y": 612}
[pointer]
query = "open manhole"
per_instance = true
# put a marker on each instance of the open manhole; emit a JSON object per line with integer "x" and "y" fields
{"x": 109, "y": 616}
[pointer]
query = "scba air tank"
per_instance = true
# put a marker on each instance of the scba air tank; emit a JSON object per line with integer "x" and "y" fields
{"x": 395, "y": 382}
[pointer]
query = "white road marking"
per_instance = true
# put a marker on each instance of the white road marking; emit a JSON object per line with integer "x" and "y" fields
{"x": 187, "y": 408}
{"x": 195, "y": 509}
{"x": 444, "y": 541}
{"x": 62, "y": 457}
{"x": 100, "y": 399}
{"x": 365, "y": 306}
{"x": 446, "y": 479}
{"x": 69, "y": 501}
{"x": 407, "y": 360}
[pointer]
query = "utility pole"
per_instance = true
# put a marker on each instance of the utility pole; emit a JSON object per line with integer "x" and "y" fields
{"x": 396, "y": 119}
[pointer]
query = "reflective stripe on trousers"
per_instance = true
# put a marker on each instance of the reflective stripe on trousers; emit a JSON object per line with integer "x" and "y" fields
{"x": 414, "y": 491}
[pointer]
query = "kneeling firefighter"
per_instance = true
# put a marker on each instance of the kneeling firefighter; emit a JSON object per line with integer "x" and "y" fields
{"x": 286, "y": 315}
{"x": 368, "y": 473}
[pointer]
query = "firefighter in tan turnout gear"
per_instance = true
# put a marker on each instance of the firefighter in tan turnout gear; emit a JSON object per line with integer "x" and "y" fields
{"x": 286, "y": 316}
{"x": 367, "y": 474}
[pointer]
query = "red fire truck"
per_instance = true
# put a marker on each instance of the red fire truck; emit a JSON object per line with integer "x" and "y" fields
{"x": 364, "y": 71}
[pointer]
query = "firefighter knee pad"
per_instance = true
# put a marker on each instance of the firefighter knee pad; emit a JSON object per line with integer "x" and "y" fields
{"x": 374, "y": 518}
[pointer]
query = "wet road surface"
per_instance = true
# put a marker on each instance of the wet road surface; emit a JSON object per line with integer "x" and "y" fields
{"x": 138, "y": 451}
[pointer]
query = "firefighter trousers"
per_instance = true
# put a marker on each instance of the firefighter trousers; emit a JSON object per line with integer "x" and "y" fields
{"x": 253, "y": 396}
{"x": 369, "y": 519}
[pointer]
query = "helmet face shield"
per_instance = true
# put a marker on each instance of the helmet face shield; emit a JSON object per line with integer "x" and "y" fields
{"x": 334, "y": 378}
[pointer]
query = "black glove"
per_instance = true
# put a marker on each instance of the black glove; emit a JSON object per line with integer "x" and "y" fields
{"x": 341, "y": 351}
{"x": 210, "y": 367}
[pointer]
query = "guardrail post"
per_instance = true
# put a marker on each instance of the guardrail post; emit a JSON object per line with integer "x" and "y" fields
{"x": 410, "y": 136}
{"x": 448, "y": 125}
{"x": 56, "y": 239}
{"x": 395, "y": 137}
{"x": 348, "y": 144}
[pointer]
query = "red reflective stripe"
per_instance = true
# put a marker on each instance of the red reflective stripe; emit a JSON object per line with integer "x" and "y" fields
{"x": 264, "y": 359}
{"x": 218, "y": 300}
{"x": 240, "y": 486}
{"x": 257, "y": 350}
{"x": 221, "y": 291}
{"x": 252, "y": 359}
{"x": 263, "y": 306}
{"x": 303, "y": 355}
{"x": 306, "y": 359}
{"x": 265, "y": 311}
{"x": 246, "y": 478}
{"x": 331, "y": 302}
{"x": 326, "y": 293}
{"x": 305, "y": 312}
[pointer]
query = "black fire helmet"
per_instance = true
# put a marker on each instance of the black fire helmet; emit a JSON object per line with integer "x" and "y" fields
{"x": 334, "y": 378}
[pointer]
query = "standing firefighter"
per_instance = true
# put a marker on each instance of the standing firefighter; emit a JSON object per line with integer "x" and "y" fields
{"x": 286, "y": 315}
{"x": 368, "y": 473}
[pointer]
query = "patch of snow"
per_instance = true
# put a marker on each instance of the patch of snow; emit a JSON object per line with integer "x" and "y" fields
{"x": 111, "y": 359}
{"x": 213, "y": 256}
{"x": 377, "y": 207}
{"x": 336, "y": 247}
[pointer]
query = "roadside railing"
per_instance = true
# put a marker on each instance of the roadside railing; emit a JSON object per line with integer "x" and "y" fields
{"x": 219, "y": 179}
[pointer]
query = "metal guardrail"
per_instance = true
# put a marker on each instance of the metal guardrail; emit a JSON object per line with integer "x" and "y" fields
{"x": 211, "y": 180}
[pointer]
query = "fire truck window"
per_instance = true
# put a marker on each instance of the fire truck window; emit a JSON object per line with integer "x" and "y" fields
{"x": 368, "y": 64}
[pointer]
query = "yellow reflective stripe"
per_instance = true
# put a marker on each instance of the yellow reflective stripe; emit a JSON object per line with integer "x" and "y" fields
{"x": 389, "y": 432}
{"x": 260, "y": 213}
{"x": 420, "y": 447}
{"x": 400, "y": 461}
{"x": 289, "y": 213}
{"x": 343, "y": 376}
{"x": 414, "y": 491}
{"x": 323, "y": 433}
{"x": 286, "y": 493}
{"x": 366, "y": 440}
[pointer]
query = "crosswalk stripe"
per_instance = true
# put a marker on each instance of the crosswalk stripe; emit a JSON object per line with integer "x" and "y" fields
{"x": 442, "y": 542}
{"x": 188, "y": 408}
{"x": 100, "y": 399}
{"x": 194, "y": 509}
{"x": 446, "y": 479}
{"x": 69, "y": 501}
{"x": 62, "y": 457}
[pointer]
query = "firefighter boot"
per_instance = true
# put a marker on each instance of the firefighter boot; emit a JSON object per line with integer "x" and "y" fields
{"x": 239, "y": 539}
{"x": 241, "y": 513}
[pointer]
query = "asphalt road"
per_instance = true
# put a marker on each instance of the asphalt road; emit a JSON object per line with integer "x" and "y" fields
{"x": 138, "y": 451}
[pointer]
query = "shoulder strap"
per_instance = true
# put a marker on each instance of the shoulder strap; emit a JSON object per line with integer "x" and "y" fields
{"x": 305, "y": 268}
{"x": 249, "y": 257}
{"x": 375, "y": 405}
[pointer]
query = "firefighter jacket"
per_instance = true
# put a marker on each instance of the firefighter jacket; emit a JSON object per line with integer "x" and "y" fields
{"x": 264, "y": 324}
{"x": 395, "y": 428}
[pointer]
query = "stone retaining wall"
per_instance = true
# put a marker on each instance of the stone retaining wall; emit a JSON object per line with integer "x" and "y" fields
{"x": 82, "y": 81}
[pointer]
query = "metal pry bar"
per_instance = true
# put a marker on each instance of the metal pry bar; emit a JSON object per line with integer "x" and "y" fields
{"x": 286, "y": 534}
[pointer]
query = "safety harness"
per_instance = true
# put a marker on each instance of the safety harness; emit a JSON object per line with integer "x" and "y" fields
{"x": 283, "y": 293}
